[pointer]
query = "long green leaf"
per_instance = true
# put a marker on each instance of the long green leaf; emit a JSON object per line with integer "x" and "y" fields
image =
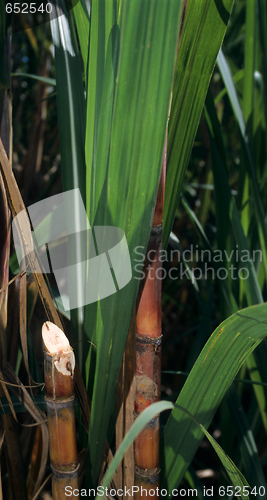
{"x": 214, "y": 371}
{"x": 103, "y": 20}
{"x": 249, "y": 162}
{"x": 129, "y": 103}
{"x": 226, "y": 207}
{"x": 250, "y": 48}
{"x": 202, "y": 36}
{"x": 43, "y": 79}
{"x": 262, "y": 6}
{"x": 226, "y": 291}
{"x": 225, "y": 199}
{"x": 234, "y": 474}
{"x": 71, "y": 121}
{"x": 142, "y": 420}
{"x": 253, "y": 467}
{"x": 82, "y": 19}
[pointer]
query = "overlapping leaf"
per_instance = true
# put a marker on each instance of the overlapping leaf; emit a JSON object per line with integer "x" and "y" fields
{"x": 202, "y": 35}
{"x": 218, "y": 363}
{"x": 71, "y": 121}
{"x": 126, "y": 122}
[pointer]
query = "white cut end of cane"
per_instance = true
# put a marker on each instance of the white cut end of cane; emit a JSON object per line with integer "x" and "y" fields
{"x": 58, "y": 346}
{"x": 55, "y": 341}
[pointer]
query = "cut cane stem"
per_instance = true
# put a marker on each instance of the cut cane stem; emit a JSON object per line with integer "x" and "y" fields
{"x": 59, "y": 368}
{"x": 148, "y": 351}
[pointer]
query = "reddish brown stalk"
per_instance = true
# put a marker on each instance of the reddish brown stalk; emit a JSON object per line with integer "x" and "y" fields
{"x": 148, "y": 342}
{"x": 59, "y": 366}
{"x": 148, "y": 350}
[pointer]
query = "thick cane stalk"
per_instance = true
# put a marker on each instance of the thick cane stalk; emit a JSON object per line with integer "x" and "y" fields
{"x": 148, "y": 350}
{"x": 148, "y": 342}
{"x": 59, "y": 366}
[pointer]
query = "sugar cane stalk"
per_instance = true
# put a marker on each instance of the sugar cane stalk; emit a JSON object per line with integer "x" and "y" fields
{"x": 148, "y": 341}
{"x": 148, "y": 350}
{"x": 59, "y": 366}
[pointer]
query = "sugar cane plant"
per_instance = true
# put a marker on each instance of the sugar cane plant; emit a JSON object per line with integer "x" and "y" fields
{"x": 59, "y": 371}
{"x": 118, "y": 65}
{"x": 148, "y": 349}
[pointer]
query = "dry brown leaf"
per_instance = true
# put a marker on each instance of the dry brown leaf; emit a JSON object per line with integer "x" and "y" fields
{"x": 34, "y": 411}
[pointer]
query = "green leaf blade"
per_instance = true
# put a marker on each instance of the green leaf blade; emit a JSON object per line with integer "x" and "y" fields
{"x": 214, "y": 371}
{"x": 123, "y": 183}
{"x": 71, "y": 120}
{"x": 202, "y": 36}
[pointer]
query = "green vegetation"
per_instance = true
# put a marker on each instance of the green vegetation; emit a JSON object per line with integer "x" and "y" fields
{"x": 91, "y": 103}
